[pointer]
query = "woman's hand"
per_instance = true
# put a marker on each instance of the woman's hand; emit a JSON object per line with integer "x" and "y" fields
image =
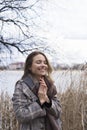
{"x": 43, "y": 87}
{"x": 42, "y": 92}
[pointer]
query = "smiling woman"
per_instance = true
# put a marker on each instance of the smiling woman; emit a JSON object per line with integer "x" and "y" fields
{"x": 35, "y": 101}
{"x": 39, "y": 66}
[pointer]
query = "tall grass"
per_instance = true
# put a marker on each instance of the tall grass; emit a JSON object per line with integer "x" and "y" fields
{"x": 73, "y": 101}
{"x": 7, "y": 117}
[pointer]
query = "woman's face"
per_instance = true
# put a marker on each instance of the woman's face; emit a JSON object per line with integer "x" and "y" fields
{"x": 39, "y": 66}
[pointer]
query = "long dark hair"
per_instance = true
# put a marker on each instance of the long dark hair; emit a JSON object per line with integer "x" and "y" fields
{"x": 27, "y": 71}
{"x": 29, "y": 60}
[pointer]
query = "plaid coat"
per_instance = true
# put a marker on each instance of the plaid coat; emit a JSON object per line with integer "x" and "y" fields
{"x": 28, "y": 111}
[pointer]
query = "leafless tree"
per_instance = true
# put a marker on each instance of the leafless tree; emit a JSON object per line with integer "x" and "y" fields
{"x": 17, "y": 18}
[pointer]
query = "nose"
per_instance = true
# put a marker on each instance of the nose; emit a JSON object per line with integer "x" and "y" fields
{"x": 43, "y": 64}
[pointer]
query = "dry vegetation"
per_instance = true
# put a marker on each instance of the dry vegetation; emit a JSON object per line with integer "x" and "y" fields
{"x": 73, "y": 101}
{"x": 7, "y": 117}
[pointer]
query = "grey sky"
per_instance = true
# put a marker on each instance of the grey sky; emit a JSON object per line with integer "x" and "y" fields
{"x": 65, "y": 26}
{"x": 67, "y": 17}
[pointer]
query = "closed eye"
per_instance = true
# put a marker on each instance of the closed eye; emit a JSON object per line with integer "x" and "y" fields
{"x": 39, "y": 62}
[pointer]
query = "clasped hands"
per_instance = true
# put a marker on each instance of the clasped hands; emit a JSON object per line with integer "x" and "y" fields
{"x": 42, "y": 92}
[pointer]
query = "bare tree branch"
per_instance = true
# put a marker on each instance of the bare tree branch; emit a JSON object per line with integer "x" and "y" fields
{"x": 13, "y": 16}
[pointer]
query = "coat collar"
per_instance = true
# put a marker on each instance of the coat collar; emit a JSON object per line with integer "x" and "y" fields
{"x": 30, "y": 81}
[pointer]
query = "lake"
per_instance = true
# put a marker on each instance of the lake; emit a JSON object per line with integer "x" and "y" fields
{"x": 62, "y": 79}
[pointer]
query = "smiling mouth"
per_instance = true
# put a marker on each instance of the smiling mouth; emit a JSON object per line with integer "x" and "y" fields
{"x": 42, "y": 70}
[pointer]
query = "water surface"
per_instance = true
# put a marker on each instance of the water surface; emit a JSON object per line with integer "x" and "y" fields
{"x": 62, "y": 79}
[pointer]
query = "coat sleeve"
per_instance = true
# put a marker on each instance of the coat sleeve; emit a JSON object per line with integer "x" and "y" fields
{"x": 55, "y": 108}
{"x": 25, "y": 104}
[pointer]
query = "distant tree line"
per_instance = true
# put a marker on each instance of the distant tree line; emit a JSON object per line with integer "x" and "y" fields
{"x": 57, "y": 67}
{"x": 82, "y": 66}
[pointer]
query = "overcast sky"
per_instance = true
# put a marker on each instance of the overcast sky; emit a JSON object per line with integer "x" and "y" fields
{"x": 65, "y": 26}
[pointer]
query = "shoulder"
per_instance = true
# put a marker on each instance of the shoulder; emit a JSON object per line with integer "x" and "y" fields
{"x": 19, "y": 81}
{"x": 19, "y": 84}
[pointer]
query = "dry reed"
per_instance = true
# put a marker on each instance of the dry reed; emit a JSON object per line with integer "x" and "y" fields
{"x": 73, "y": 102}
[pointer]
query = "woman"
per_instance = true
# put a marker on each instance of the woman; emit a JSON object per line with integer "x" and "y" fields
{"x": 35, "y": 101}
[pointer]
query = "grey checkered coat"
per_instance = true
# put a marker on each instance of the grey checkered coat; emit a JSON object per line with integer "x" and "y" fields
{"x": 28, "y": 111}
